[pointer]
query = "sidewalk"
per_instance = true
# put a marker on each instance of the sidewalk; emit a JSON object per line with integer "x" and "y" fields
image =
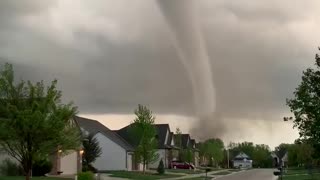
{"x": 210, "y": 174}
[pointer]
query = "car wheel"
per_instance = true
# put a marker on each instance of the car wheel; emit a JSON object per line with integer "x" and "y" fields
{"x": 174, "y": 167}
{"x": 190, "y": 168}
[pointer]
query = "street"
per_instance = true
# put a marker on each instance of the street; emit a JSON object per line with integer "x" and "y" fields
{"x": 256, "y": 174}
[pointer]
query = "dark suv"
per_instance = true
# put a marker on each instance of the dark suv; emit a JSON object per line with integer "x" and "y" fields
{"x": 181, "y": 165}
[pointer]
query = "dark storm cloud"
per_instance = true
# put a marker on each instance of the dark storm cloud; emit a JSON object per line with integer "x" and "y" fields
{"x": 111, "y": 55}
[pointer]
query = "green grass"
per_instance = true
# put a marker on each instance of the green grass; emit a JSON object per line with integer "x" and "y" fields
{"x": 199, "y": 178}
{"x": 139, "y": 175}
{"x": 301, "y": 174}
{"x": 185, "y": 171}
{"x": 222, "y": 173}
{"x": 33, "y": 178}
{"x": 302, "y": 177}
{"x": 211, "y": 168}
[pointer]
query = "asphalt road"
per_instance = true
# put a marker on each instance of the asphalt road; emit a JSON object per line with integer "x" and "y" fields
{"x": 256, "y": 174}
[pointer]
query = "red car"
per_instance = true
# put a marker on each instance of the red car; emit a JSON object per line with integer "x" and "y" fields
{"x": 181, "y": 165}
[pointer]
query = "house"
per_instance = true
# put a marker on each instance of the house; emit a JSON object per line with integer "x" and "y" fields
{"x": 117, "y": 153}
{"x": 166, "y": 149}
{"x": 188, "y": 143}
{"x": 196, "y": 157}
{"x": 242, "y": 161}
{"x": 66, "y": 163}
{"x": 280, "y": 158}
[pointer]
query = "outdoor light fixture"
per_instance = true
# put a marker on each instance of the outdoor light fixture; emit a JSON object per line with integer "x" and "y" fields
{"x": 59, "y": 151}
{"x": 81, "y": 151}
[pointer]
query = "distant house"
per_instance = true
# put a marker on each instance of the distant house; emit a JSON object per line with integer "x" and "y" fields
{"x": 242, "y": 161}
{"x": 196, "y": 156}
{"x": 166, "y": 149}
{"x": 280, "y": 158}
{"x": 188, "y": 143}
{"x": 117, "y": 153}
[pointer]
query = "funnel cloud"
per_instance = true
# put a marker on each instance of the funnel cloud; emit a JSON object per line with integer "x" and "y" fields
{"x": 188, "y": 40}
{"x": 110, "y": 55}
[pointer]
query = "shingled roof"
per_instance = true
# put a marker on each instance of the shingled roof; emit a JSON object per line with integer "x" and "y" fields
{"x": 161, "y": 130}
{"x": 94, "y": 127}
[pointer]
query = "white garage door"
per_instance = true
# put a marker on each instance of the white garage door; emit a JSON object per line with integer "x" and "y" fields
{"x": 69, "y": 163}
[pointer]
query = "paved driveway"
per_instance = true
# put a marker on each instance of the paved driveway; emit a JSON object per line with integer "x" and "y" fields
{"x": 256, "y": 174}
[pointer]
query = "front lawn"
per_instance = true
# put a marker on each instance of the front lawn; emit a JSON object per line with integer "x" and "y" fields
{"x": 301, "y": 177}
{"x": 301, "y": 174}
{"x": 185, "y": 171}
{"x": 199, "y": 178}
{"x": 222, "y": 173}
{"x": 140, "y": 175}
{"x": 33, "y": 178}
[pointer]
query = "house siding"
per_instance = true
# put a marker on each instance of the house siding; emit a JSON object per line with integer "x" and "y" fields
{"x": 162, "y": 155}
{"x": 113, "y": 156}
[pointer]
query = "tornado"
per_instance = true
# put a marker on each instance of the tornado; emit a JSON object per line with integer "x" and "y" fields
{"x": 182, "y": 20}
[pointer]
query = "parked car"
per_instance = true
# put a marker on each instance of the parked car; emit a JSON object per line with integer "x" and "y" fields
{"x": 181, "y": 165}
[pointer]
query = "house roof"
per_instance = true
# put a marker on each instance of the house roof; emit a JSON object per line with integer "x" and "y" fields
{"x": 171, "y": 137}
{"x": 241, "y": 156}
{"x": 185, "y": 139}
{"x": 161, "y": 130}
{"x": 94, "y": 127}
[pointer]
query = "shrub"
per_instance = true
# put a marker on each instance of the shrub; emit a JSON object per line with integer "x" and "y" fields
{"x": 86, "y": 176}
{"x": 161, "y": 167}
{"x": 10, "y": 168}
{"x": 41, "y": 167}
{"x": 89, "y": 168}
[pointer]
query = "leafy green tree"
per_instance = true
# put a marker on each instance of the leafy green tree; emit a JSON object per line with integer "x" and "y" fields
{"x": 178, "y": 142}
{"x": 187, "y": 155}
{"x": 305, "y": 105}
{"x": 262, "y": 156}
{"x": 260, "y": 153}
{"x": 92, "y": 151}
{"x": 34, "y": 122}
{"x": 143, "y": 129}
{"x": 212, "y": 150}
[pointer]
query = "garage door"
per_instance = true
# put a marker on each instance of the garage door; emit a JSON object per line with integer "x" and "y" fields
{"x": 69, "y": 163}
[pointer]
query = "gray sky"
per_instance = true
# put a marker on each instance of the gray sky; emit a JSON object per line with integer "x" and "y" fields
{"x": 110, "y": 55}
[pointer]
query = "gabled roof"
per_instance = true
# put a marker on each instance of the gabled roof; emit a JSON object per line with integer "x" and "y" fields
{"x": 171, "y": 137}
{"x": 241, "y": 156}
{"x": 185, "y": 139}
{"x": 161, "y": 130}
{"x": 94, "y": 127}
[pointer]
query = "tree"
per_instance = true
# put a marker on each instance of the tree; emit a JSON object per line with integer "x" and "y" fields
{"x": 92, "y": 151}
{"x": 187, "y": 155}
{"x": 260, "y": 153}
{"x": 33, "y": 121}
{"x": 144, "y": 130}
{"x": 262, "y": 156}
{"x": 160, "y": 168}
{"x": 305, "y": 105}
{"x": 178, "y": 142}
{"x": 212, "y": 149}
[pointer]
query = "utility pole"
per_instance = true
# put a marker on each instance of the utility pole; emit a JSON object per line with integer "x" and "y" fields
{"x": 228, "y": 157}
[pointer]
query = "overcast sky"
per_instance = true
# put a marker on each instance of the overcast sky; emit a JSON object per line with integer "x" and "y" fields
{"x": 110, "y": 55}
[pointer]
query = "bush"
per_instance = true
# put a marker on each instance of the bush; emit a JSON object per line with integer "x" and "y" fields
{"x": 10, "y": 168}
{"x": 41, "y": 167}
{"x": 86, "y": 176}
{"x": 161, "y": 167}
{"x": 89, "y": 168}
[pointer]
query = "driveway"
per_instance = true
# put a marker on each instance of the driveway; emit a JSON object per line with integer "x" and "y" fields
{"x": 256, "y": 174}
